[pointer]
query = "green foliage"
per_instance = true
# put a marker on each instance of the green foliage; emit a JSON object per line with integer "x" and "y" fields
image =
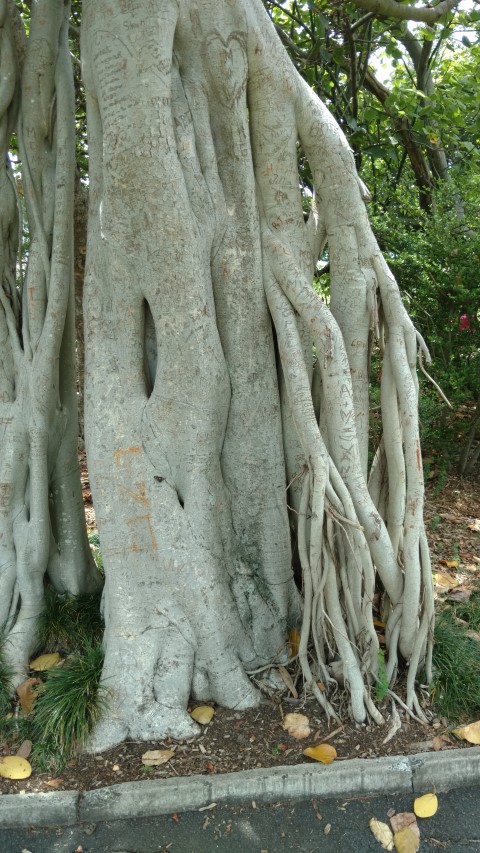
{"x": 70, "y": 699}
{"x": 6, "y": 675}
{"x": 381, "y": 686}
{"x": 67, "y": 624}
{"x": 68, "y": 708}
{"x": 435, "y": 260}
{"x": 94, "y": 540}
{"x": 456, "y": 664}
{"x": 469, "y": 612}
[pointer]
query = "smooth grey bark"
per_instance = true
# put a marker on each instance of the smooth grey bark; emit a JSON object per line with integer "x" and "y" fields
{"x": 42, "y": 530}
{"x": 198, "y": 307}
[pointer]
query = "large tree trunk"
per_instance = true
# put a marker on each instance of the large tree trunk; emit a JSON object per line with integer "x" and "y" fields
{"x": 198, "y": 307}
{"x": 206, "y": 415}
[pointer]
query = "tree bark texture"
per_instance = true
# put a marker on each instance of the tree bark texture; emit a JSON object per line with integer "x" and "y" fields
{"x": 200, "y": 320}
{"x": 226, "y": 404}
{"x": 42, "y": 530}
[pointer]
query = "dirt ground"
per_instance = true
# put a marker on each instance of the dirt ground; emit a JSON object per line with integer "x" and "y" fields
{"x": 238, "y": 741}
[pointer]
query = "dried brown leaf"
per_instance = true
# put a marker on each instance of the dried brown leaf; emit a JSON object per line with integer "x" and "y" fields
{"x": 54, "y": 783}
{"x": 24, "y": 749}
{"x": 287, "y": 680}
{"x": 155, "y": 757}
{"x": 27, "y": 693}
{"x": 296, "y": 725}
{"x": 402, "y": 819}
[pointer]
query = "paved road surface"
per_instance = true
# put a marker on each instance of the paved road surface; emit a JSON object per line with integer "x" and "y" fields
{"x": 327, "y": 826}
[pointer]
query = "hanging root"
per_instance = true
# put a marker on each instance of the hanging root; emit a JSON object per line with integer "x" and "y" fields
{"x": 349, "y": 533}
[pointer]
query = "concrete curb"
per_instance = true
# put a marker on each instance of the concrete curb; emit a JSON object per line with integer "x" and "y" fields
{"x": 356, "y": 777}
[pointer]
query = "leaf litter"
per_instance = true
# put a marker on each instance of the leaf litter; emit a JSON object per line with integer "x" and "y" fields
{"x": 248, "y": 740}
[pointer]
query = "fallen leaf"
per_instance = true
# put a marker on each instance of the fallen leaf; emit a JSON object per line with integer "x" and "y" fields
{"x": 382, "y": 833}
{"x": 287, "y": 680}
{"x": 402, "y": 819}
{"x": 324, "y": 752}
{"x": 426, "y": 806}
{"x": 24, "y": 749}
{"x": 202, "y": 714}
{"x": 461, "y": 595}
{"x": 474, "y": 525}
{"x": 27, "y": 693}
{"x": 45, "y": 662}
{"x": 439, "y": 742}
{"x": 475, "y": 635}
{"x": 154, "y": 757}
{"x": 470, "y": 733}
{"x": 293, "y": 642}
{"x": 327, "y": 828}
{"x": 13, "y": 767}
{"x": 445, "y": 581}
{"x": 406, "y": 841}
{"x": 54, "y": 783}
{"x": 448, "y": 516}
{"x": 296, "y": 725}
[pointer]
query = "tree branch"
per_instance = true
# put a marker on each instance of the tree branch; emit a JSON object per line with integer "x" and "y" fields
{"x": 392, "y": 9}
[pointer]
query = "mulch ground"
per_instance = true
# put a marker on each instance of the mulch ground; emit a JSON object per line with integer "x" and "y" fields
{"x": 241, "y": 741}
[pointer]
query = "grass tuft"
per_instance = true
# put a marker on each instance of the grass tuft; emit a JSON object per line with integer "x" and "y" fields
{"x": 6, "y": 688}
{"x": 456, "y": 666}
{"x": 68, "y": 707}
{"x": 67, "y": 623}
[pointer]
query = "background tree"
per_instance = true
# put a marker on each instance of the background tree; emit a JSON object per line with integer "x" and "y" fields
{"x": 208, "y": 417}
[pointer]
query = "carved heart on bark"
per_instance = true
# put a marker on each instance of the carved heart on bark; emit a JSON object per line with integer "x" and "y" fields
{"x": 227, "y": 65}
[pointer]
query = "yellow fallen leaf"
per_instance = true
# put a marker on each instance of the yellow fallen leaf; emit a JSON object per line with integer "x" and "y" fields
{"x": 444, "y": 581}
{"x": 154, "y": 757}
{"x": 323, "y": 752}
{"x": 44, "y": 662}
{"x": 293, "y": 642}
{"x": 296, "y": 725}
{"x": 382, "y": 833}
{"x": 406, "y": 841}
{"x": 14, "y": 767}
{"x": 470, "y": 733}
{"x": 426, "y": 806}
{"x": 202, "y": 714}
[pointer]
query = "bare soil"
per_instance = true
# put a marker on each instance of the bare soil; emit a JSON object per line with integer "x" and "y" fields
{"x": 240, "y": 741}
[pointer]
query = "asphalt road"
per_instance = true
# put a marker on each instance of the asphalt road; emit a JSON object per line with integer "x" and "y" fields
{"x": 329, "y": 826}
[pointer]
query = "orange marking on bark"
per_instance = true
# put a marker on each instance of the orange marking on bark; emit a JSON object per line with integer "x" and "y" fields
{"x": 419, "y": 457}
{"x": 138, "y": 495}
{"x": 118, "y": 455}
{"x": 141, "y": 529}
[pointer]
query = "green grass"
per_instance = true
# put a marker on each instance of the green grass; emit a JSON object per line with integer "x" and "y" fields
{"x": 381, "y": 686}
{"x": 456, "y": 665}
{"x": 68, "y": 708}
{"x": 67, "y": 623}
{"x": 469, "y": 612}
{"x": 6, "y": 675}
{"x": 70, "y": 700}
